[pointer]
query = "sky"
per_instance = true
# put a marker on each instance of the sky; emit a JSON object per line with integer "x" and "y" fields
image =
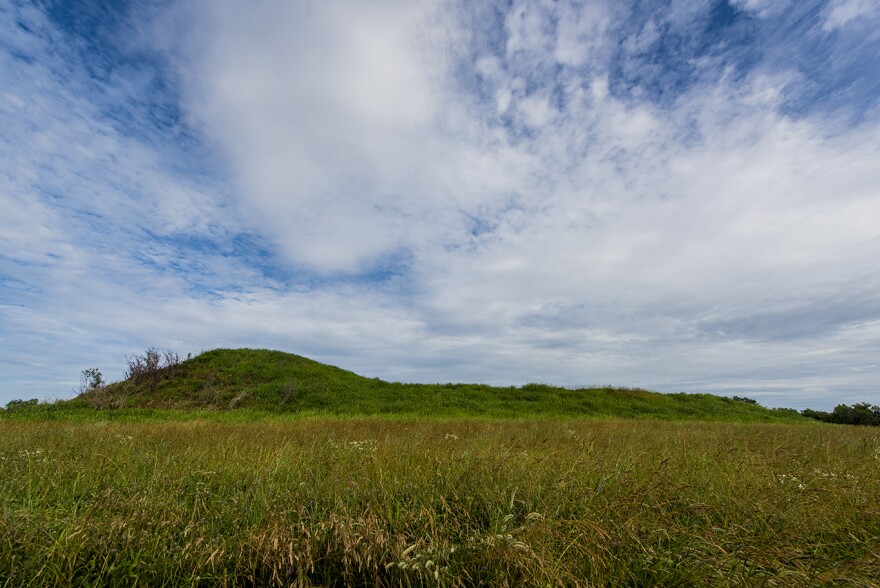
{"x": 679, "y": 195}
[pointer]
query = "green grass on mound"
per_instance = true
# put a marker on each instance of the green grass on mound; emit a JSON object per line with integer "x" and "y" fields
{"x": 263, "y": 380}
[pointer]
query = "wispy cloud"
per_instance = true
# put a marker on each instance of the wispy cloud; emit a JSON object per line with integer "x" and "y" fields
{"x": 679, "y": 195}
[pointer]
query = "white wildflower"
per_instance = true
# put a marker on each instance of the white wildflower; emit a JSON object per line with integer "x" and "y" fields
{"x": 365, "y": 445}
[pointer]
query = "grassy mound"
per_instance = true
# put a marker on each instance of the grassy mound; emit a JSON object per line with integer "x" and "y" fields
{"x": 267, "y": 380}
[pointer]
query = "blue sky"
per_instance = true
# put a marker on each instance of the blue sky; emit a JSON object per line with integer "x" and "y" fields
{"x": 677, "y": 195}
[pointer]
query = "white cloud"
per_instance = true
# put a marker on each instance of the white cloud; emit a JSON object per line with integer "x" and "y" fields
{"x": 762, "y": 8}
{"x": 842, "y": 12}
{"x": 529, "y": 27}
{"x": 682, "y": 15}
{"x": 581, "y": 34}
{"x": 328, "y": 119}
{"x": 645, "y": 38}
{"x": 536, "y": 111}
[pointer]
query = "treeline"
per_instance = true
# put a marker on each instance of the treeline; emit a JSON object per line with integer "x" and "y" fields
{"x": 862, "y": 413}
{"x": 857, "y": 414}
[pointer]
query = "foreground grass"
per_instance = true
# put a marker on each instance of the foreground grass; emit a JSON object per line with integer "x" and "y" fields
{"x": 385, "y": 502}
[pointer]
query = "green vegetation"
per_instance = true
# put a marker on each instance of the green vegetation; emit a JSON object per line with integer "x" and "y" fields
{"x": 261, "y": 380}
{"x": 858, "y": 414}
{"x": 382, "y": 502}
{"x": 322, "y": 477}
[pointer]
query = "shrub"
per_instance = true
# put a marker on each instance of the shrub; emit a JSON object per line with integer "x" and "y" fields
{"x": 148, "y": 367}
{"x": 91, "y": 379}
{"x": 785, "y": 410}
{"x": 858, "y": 414}
{"x": 22, "y": 404}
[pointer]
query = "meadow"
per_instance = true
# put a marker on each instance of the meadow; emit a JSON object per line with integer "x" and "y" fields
{"x": 285, "y": 500}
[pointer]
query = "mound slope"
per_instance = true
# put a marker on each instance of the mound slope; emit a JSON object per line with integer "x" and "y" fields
{"x": 261, "y": 379}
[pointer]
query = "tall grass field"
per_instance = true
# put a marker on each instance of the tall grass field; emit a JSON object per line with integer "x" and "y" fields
{"x": 379, "y": 501}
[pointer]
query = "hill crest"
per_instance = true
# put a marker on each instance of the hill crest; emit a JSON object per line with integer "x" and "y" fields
{"x": 268, "y": 380}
